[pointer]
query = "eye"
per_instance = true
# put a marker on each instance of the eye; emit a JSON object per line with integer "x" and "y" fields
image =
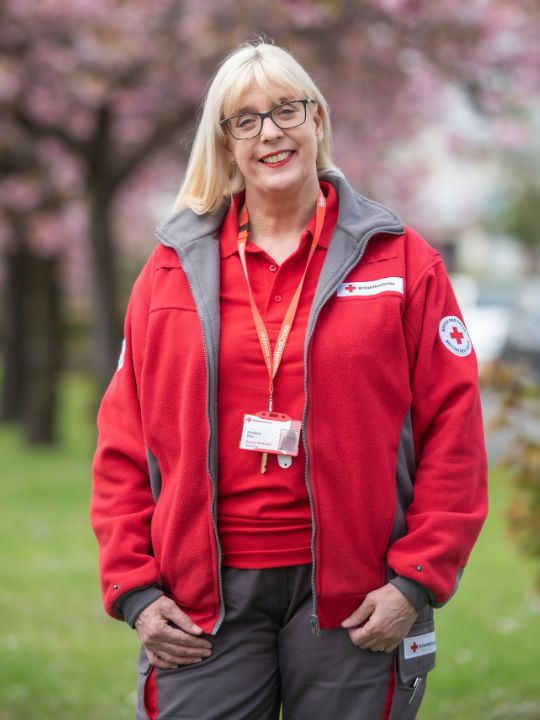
{"x": 286, "y": 111}
{"x": 245, "y": 121}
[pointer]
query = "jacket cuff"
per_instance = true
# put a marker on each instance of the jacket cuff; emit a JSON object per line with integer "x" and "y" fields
{"x": 130, "y": 605}
{"x": 416, "y": 594}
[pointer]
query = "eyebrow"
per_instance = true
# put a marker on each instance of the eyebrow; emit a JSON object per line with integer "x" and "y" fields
{"x": 249, "y": 108}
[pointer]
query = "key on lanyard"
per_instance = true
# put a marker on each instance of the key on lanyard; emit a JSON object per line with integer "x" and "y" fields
{"x": 264, "y": 456}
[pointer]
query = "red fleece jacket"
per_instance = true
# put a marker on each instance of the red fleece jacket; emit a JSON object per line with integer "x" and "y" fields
{"x": 387, "y": 345}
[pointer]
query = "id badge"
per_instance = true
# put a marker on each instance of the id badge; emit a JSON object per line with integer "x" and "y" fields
{"x": 271, "y": 432}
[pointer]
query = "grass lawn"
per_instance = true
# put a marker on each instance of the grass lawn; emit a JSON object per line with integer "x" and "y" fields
{"x": 63, "y": 659}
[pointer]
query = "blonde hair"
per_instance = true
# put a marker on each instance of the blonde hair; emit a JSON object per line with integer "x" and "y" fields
{"x": 210, "y": 176}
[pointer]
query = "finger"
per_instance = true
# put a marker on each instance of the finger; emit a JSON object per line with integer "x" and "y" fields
{"x": 365, "y": 633}
{"x": 173, "y": 635}
{"x": 175, "y": 661}
{"x": 166, "y": 665}
{"x": 378, "y": 640}
{"x": 180, "y": 652}
{"x": 360, "y": 615}
{"x": 180, "y": 619}
{"x": 360, "y": 640}
{"x": 161, "y": 616}
{"x": 383, "y": 643}
{"x": 367, "y": 638}
{"x": 158, "y": 631}
{"x": 156, "y": 661}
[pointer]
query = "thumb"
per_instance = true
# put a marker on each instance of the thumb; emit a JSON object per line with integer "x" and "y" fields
{"x": 359, "y": 616}
{"x": 173, "y": 613}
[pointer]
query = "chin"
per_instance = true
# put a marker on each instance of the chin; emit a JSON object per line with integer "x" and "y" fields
{"x": 283, "y": 182}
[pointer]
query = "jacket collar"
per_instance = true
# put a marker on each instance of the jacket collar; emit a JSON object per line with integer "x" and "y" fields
{"x": 357, "y": 216}
{"x": 228, "y": 241}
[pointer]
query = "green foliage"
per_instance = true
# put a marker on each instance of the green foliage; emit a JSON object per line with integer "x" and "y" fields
{"x": 64, "y": 659}
{"x": 521, "y": 217}
{"x": 520, "y": 414}
{"x": 487, "y": 636}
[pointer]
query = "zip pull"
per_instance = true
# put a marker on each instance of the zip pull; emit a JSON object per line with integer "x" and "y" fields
{"x": 416, "y": 684}
{"x": 315, "y": 627}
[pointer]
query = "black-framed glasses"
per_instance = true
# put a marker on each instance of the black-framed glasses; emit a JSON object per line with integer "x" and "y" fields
{"x": 287, "y": 115}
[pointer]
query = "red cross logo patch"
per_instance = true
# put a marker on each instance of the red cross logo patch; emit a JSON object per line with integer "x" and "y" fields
{"x": 454, "y": 336}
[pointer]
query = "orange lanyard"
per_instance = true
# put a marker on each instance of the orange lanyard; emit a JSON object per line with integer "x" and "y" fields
{"x": 273, "y": 361}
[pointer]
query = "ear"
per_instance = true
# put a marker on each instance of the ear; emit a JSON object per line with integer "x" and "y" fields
{"x": 227, "y": 151}
{"x": 319, "y": 130}
{"x": 226, "y": 146}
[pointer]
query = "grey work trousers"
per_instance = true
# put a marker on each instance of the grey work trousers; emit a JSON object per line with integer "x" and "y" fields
{"x": 265, "y": 656}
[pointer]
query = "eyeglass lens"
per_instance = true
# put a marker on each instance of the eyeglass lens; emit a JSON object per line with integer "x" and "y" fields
{"x": 287, "y": 115}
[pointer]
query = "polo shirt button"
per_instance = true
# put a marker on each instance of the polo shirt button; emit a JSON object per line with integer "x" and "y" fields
{"x": 272, "y": 268}
{"x": 278, "y": 298}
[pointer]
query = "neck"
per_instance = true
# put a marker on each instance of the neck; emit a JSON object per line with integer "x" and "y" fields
{"x": 280, "y": 216}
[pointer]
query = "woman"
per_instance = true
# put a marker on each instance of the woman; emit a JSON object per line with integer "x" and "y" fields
{"x": 282, "y": 307}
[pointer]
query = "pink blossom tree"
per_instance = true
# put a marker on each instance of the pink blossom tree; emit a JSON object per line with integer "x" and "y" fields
{"x": 94, "y": 93}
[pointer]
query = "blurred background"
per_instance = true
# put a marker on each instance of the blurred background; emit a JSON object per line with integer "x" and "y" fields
{"x": 435, "y": 109}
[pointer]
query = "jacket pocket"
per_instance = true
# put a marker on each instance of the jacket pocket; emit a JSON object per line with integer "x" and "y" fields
{"x": 416, "y": 653}
{"x": 415, "y": 657}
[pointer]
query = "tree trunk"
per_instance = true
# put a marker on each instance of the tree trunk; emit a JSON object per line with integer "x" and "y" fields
{"x": 107, "y": 333}
{"x": 43, "y": 339}
{"x": 32, "y": 345}
{"x": 13, "y": 385}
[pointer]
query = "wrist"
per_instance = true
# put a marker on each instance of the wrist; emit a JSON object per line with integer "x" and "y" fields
{"x": 131, "y": 605}
{"x": 416, "y": 594}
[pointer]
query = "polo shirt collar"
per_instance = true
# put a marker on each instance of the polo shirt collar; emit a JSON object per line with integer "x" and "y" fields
{"x": 228, "y": 240}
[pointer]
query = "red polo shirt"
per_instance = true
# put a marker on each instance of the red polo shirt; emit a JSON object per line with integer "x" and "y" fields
{"x": 264, "y": 520}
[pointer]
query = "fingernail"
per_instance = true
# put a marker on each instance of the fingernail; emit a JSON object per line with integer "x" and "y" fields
{"x": 345, "y": 623}
{"x": 196, "y": 629}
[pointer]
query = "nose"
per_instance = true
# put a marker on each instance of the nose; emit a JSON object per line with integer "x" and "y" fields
{"x": 270, "y": 130}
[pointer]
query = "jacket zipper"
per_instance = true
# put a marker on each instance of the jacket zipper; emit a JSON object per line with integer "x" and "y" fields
{"x": 314, "y": 618}
{"x": 213, "y": 482}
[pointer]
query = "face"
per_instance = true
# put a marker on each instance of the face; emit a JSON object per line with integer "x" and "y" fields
{"x": 277, "y": 161}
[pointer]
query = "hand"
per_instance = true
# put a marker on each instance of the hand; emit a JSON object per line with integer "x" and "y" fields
{"x": 169, "y": 646}
{"x": 382, "y": 620}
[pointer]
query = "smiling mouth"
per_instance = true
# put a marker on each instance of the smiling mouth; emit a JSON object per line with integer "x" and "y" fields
{"x": 277, "y": 159}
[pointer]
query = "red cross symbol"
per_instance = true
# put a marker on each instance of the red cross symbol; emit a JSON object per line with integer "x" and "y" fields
{"x": 350, "y": 288}
{"x": 414, "y": 647}
{"x": 457, "y": 335}
{"x": 248, "y": 419}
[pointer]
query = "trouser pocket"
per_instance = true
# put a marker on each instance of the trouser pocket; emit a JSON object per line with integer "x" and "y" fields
{"x": 415, "y": 657}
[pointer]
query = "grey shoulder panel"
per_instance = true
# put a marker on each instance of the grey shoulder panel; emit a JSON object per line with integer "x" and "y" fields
{"x": 195, "y": 238}
{"x": 405, "y": 473}
{"x": 155, "y": 474}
